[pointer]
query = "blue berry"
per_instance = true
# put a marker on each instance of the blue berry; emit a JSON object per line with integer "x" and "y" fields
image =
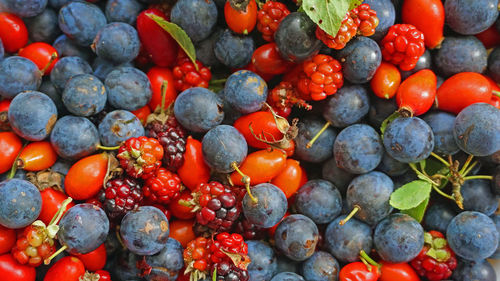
{"x": 288, "y": 276}
{"x": 358, "y": 149}
{"x": 103, "y": 67}
{"x": 438, "y": 217}
{"x": 20, "y": 203}
{"x": 18, "y": 74}
{"x": 339, "y": 177}
{"x": 296, "y": 237}
{"x": 222, "y": 146}
{"x": 408, "y": 139}
{"x": 270, "y": 207}
{"x": 57, "y": 4}
{"x": 67, "y": 48}
{"x": 496, "y": 220}
{"x": 32, "y": 115}
{"x": 360, "y": 58}
{"x": 233, "y": 50}
{"x": 477, "y": 130}
{"x": 322, "y": 148}
{"x": 245, "y": 91}
{"x": 84, "y": 95}
{"x": 167, "y": 263}
{"x": 230, "y": 113}
{"x": 67, "y": 67}
{"x": 460, "y": 54}
{"x": 441, "y": 124}
{"x": 398, "y": 238}
{"x": 145, "y": 230}
{"x": 391, "y": 166}
{"x": 205, "y": 50}
{"x": 470, "y": 17}
{"x": 496, "y": 181}
{"x": 81, "y": 21}
{"x": 74, "y": 137}
{"x": 472, "y": 236}
{"x": 386, "y": 14}
{"x": 2, "y": 50}
{"x": 126, "y": 266}
{"x": 346, "y": 241}
{"x": 319, "y": 200}
{"x": 117, "y": 42}
{"x": 370, "y": 193}
{"x": 423, "y": 62}
{"x": 263, "y": 265}
{"x": 478, "y": 196}
{"x": 50, "y": 90}
{"x": 83, "y": 228}
{"x": 287, "y": 265}
{"x": 348, "y": 106}
{"x": 296, "y": 39}
{"x": 123, "y": 11}
{"x": 196, "y": 17}
{"x": 118, "y": 126}
{"x": 494, "y": 65}
{"x": 198, "y": 109}
{"x": 321, "y": 267}
{"x": 128, "y": 88}
{"x": 43, "y": 27}
{"x": 380, "y": 109}
{"x": 26, "y": 8}
{"x": 476, "y": 271}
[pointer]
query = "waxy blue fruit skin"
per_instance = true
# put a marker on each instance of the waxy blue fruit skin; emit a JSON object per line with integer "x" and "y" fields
{"x": 20, "y": 203}
{"x": 386, "y": 14}
{"x": 118, "y": 126}
{"x": 338, "y": 176}
{"x": 233, "y": 50}
{"x": 84, "y": 95}
{"x": 441, "y": 124}
{"x": 74, "y": 137}
{"x": 322, "y": 149}
{"x": 348, "y": 106}
{"x": 117, "y": 42}
{"x": 472, "y": 236}
{"x": 270, "y": 207}
{"x": 83, "y": 228}
{"x": 263, "y": 265}
{"x": 245, "y": 91}
{"x": 480, "y": 271}
{"x": 167, "y": 263}
{"x": 319, "y": 200}
{"x": 438, "y": 216}
{"x": 198, "y": 109}
{"x": 346, "y": 241}
{"x": 197, "y": 17}
{"x": 123, "y": 11}
{"x": 43, "y": 27}
{"x": 398, "y": 238}
{"x": 222, "y": 146}
{"x": 32, "y": 115}
{"x": 321, "y": 267}
{"x": 297, "y": 237}
{"x": 391, "y": 166}
{"x": 26, "y": 8}
{"x": 358, "y": 149}
{"x": 18, "y": 74}
{"x": 67, "y": 48}
{"x": 288, "y": 276}
{"x": 470, "y": 17}
{"x": 477, "y": 130}
{"x": 128, "y": 88}
{"x": 478, "y": 196}
{"x": 67, "y": 67}
{"x": 460, "y": 54}
{"x": 81, "y": 21}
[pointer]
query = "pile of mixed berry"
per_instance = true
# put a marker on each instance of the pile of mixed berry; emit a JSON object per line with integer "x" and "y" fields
{"x": 249, "y": 140}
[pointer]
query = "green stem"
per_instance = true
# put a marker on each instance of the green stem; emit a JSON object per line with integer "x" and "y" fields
{"x": 478, "y": 178}
{"x": 415, "y": 169}
{"x": 351, "y": 214}
{"x": 108, "y": 147}
{"x": 365, "y": 256}
{"x": 13, "y": 170}
{"x": 440, "y": 159}
{"x": 60, "y": 212}
{"x": 469, "y": 169}
{"x": 218, "y": 81}
{"x": 466, "y": 164}
{"x": 163, "y": 90}
{"x": 311, "y": 142}
{"x": 442, "y": 193}
{"x": 496, "y": 93}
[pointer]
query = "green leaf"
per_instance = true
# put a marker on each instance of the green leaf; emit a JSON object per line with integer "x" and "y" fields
{"x": 355, "y": 4}
{"x": 418, "y": 212}
{"x": 178, "y": 34}
{"x": 387, "y": 121}
{"x": 214, "y": 276}
{"x": 434, "y": 166}
{"x": 410, "y": 195}
{"x": 327, "y": 14}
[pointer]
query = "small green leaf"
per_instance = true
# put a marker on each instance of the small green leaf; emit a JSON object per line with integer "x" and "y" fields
{"x": 387, "y": 121}
{"x": 214, "y": 276}
{"x": 355, "y": 4}
{"x": 410, "y": 195}
{"x": 327, "y": 14}
{"x": 178, "y": 34}
{"x": 418, "y": 212}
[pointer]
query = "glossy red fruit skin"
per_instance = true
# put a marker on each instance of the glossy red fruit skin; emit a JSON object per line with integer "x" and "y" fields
{"x": 157, "y": 75}
{"x": 403, "y": 46}
{"x": 11, "y": 270}
{"x": 66, "y": 269}
{"x": 51, "y": 202}
{"x": 417, "y": 92}
{"x": 358, "y": 271}
{"x": 241, "y": 22}
{"x": 462, "y": 90}
{"x": 13, "y": 32}
{"x": 7, "y": 239}
{"x": 182, "y": 212}
{"x": 94, "y": 260}
{"x": 194, "y": 170}
{"x": 397, "y": 271}
{"x": 267, "y": 59}
{"x": 429, "y": 19}
{"x": 41, "y": 54}
{"x": 262, "y": 124}
{"x": 157, "y": 42}
{"x": 490, "y": 37}
{"x": 10, "y": 146}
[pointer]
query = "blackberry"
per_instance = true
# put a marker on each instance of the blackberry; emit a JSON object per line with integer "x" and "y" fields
{"x": 218, "y": 209}
{"x": 248, "y": 230}
{"x": 173, "y": 139}
{"x": 121, "y": 196}
{"x": 229, "y": 272}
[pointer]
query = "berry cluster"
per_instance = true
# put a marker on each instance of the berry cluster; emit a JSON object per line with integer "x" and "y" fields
{"x": 323, "y": 77}
{"x": 269, "y": 18}
{"x": 437, "y": 260}
{"x": 188, "y": 75}
{"x": 120, "y": 196}
{"x": 141, "y": 157}
{"x": 403, "y": 46}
